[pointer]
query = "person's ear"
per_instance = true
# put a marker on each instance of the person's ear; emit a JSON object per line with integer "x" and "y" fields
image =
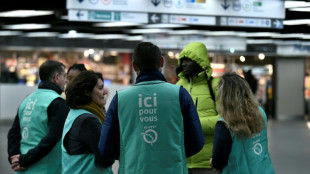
{"x": 162, "y": 60}
{"x": 135, "y": 67}
{"x": 55, "y": 77}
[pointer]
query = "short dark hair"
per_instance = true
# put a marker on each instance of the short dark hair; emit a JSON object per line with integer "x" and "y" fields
{"x": 77, "y": 66}
{"x": 79, "y": 90}
{"x": 147, "y": 56}
{"x": 48, "y": 69}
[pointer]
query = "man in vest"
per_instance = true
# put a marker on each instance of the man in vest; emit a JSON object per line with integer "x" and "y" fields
{"x": 34, "y": 138}
{"x": 195, "y": 73}
{"x": 152, "y": 126}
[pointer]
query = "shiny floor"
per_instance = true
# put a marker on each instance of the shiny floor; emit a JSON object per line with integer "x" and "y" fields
{"x": 289, "y": 146}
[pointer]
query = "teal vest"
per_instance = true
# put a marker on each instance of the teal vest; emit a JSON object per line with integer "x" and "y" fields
{"x": 83, "y": 163}
{"x": 250, "y": 156}
{"x": 33, "y": 122}
{"x": 151, "y": 129}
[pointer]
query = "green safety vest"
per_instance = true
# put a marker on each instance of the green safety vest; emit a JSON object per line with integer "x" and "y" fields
{"x": 151, "y": 129}
{"x": 82, "y": 163}
{"x": 250, "y": 156}
{"x": 33, "y": 120}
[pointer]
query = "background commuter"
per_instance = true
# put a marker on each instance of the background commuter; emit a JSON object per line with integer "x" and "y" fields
{"x": 240, "y": 138}
{"x": 152, "y": 126}
{"x": 33, "y": 140}
{"x": 195, "y": 73}
{"x": 80, "y": 153}
{"x": 75, "y": 70}
{"x": 252, "y": 81}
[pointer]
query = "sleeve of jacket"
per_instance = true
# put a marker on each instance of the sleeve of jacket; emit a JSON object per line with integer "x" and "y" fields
{"x": 222, "y": 144}
{"x": 57, "y": 113}
{"x": 193, "y": 136}
{"x": 208, "y": 123}
{"x": 89, "y": 132}
{"x": 14, "y": 138}
{"x": 109, "y": 143}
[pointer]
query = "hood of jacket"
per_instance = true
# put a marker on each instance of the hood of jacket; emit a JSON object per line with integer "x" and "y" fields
{"x": 197, "y": 52}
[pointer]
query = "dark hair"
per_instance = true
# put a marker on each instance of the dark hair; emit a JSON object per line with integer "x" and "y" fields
{"x": 48, "y": 69}
{"x": 76, "y": 66}
{"x": 78, "y": 92}
{"x": 147, "y": 56}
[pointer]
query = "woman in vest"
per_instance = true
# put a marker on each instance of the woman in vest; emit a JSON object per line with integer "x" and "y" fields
{"x": 80, "y": 138}
{"x": 240, "y": 137}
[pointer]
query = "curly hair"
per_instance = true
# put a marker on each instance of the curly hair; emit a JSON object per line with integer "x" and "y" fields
{"x": 78, "y": 92}
{"x": 238, "y": 106}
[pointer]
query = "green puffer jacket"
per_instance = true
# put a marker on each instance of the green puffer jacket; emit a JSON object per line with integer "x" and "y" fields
{"x": 200, "y": 93}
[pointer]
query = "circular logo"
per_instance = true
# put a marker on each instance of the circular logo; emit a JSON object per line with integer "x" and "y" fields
{"x": 150, "y": 136}
{"x": 236, "y": 5}
{"x": 257, "y": 148}
{"x": 179, "y": 3}
{"x": 168, "y": 3}
{"x": 247, "y": 6}
{"x": 25, "y": 133}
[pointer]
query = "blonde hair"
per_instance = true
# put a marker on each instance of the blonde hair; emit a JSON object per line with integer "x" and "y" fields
{"x": 238, "y": 106}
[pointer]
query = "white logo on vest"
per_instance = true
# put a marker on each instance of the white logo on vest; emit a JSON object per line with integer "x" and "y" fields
{"x": 25, "y": 132}
{"x": 150, "y": 136}
{"x": 258, "y": 148}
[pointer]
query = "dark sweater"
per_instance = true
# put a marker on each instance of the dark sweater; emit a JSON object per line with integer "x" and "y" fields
{"x": 83, "y": 138}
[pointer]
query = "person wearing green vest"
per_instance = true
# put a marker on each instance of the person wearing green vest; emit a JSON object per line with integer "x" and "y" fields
{"x": 80, "y": 138}
{"x": 152, "y": 126}
{"x": 34, "y": 138}
{"x": 240, "y": 138}
{"x": 195, "y": 75}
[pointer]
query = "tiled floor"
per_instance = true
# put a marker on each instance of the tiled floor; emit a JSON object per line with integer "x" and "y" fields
{"x": 289, "y": 146}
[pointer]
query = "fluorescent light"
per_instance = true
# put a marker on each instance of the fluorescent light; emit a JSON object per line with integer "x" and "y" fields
{"x": 25, "y": 13}
{"x": 294, "y": 4}
{"x": 295, "y": 35}
{"x": 76, "y": 35}
{"x": 185, "y": 32}
{"x": 259, "y": 41}
{"x": 26, "y": 26}
{"x": 116, "y": 24}
{"x": 164, "y": 26}
{"x": 297, "y": 22}
{"x": 41, "y": 34}
{"x": 10, "y": 33}
{"x": 304, "y": 9}
{"x": 109, "y": 36}
{"x": 149, "y": 31}
{"x": 134, "y": 38}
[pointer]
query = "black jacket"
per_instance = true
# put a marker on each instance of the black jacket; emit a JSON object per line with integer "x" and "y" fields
{"x": 57, "y": 113}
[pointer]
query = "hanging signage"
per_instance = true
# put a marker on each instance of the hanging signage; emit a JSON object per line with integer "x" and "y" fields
{"x": 273, "y": 9}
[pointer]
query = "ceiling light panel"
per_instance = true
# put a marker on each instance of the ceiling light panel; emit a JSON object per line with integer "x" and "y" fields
{"x": 10, "y": 33}
{"x": 295, "y": 4}
{"x": 297, "y": 22}
{"x": 25, "y": 13}
{"x": 26, "y": 26}
{"x": 117, "y": 24}
{"x": 42, "y": 34}
{"x": 164, "y": 26}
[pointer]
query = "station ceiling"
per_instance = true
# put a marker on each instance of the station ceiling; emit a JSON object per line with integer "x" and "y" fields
{"x": 60, "y": 24}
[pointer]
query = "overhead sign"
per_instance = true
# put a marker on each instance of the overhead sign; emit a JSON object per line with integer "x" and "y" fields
{"x": 250, "y": 22}
{"x": 273, "y": 9}
{"x": 106, "y": 16}
{"x": 151, "y": 18}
